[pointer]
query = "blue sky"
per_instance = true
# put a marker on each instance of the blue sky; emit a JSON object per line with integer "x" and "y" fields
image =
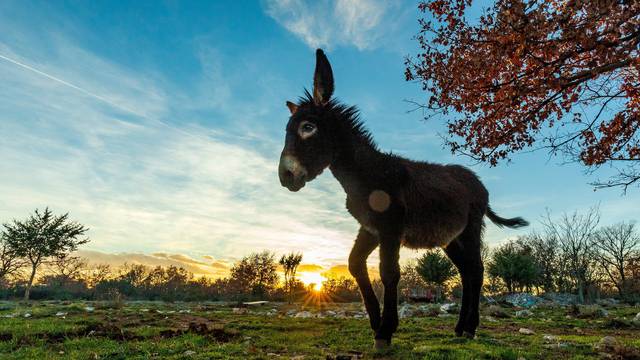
{"x": 159, "y": 125}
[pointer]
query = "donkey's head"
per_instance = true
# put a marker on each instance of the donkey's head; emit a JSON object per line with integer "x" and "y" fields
{"x": 308, "y": 147}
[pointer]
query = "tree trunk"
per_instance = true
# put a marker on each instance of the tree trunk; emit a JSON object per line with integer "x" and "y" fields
{"x": 580, "y": 292}
{"x": 27, "y": 291}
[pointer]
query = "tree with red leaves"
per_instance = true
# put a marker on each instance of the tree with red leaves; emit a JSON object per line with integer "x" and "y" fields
{"x": 563, "y": 75}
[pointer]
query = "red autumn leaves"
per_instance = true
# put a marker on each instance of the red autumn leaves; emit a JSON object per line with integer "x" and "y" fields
{"x": 563, "y": 73}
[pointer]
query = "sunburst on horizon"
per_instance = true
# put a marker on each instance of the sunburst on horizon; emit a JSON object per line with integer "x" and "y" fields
{"x": 312, "y": 278}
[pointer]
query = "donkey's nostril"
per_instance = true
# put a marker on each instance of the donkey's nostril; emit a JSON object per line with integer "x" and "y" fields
{"x": 288, "y": 175}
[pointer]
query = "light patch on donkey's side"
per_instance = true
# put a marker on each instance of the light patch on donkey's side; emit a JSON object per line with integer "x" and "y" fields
{"x": 379, "y": 201}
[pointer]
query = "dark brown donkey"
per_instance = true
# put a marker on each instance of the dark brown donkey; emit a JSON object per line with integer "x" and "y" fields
{"x": 398, "y": 202}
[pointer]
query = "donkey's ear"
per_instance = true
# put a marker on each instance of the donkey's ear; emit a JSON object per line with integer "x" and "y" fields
{"x": 322, "y": 79}
{"x": 292, "y": 107}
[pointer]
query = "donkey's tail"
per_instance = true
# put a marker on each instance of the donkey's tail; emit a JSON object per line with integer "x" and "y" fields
{"x": 513, "y": 223}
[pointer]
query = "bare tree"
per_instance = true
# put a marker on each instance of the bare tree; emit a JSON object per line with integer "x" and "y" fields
{"x": 574, "y": 234}
{"x": 618, "y": 245}
{"x": 99, "y": 273}
{"x": 544, "y": 250}
{"x": 67, "y": 267}
{"x": 10, "y": 262}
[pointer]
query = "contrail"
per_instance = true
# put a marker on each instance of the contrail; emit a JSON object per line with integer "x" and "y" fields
{"x": 101, "y": 98}
{"x": 84, "y": 91}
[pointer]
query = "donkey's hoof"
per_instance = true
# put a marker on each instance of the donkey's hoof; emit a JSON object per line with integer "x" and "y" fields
{"x": 382, "y": 344}
{"x": 469, "y": 335}
{"x": 459, "y": 333}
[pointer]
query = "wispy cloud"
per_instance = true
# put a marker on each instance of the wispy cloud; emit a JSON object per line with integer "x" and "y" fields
{"x": 359, "y": 23}
{"x": 144, "y": 187}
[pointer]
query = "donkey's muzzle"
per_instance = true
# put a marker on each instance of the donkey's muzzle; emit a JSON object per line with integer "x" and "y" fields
{"x": 292, "y": 174}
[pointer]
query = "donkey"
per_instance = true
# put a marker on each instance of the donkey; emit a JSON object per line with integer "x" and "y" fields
{"x": 398, "y": 202}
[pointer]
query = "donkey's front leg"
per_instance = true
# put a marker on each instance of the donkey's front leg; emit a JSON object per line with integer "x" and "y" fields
{"x": 390, "y": 275}
{"x": 365, "y": 244}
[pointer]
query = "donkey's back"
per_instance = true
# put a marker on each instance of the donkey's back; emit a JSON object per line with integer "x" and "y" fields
{"x": 439, "y": 201}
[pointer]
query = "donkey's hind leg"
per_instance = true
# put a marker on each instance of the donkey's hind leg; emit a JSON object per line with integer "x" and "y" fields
{"x": 364, "y": 245}
{"x": 455, "y": 252}
{"x": 465, "y": 254}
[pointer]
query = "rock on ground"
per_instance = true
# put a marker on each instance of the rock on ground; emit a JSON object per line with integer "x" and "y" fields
{"x": 607, "y": 343}
{"x": 525, "y": 331}
{"x": 304, "y": 314}
{"x": 524, "y": 313}
{"x": 498, "y": 312}
{"x": 524, "y": 300}
{"x": 591, "y": 311}
{"x": 405, "y": 311}
{"x": 451, "y": 308}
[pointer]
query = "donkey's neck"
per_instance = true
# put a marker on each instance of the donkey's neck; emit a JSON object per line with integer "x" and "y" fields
{"x": 356, "y": 165}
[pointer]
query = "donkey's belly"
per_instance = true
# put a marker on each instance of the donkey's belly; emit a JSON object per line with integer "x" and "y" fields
{"x": 421, "y": 238}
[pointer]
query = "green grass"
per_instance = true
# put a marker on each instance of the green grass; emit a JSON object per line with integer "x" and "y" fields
{"x": 143, "y": 330}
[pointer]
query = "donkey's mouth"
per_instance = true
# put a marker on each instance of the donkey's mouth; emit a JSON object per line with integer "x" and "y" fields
{"x": 294, "y": 187}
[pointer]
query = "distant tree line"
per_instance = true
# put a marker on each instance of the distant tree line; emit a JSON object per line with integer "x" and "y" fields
{"x": 570, "y": 255}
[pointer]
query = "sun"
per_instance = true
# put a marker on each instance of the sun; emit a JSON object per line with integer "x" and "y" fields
{"x": 309, "y": 278}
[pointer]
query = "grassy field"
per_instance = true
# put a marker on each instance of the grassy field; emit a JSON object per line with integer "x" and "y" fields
{"x": 141, "y": 330}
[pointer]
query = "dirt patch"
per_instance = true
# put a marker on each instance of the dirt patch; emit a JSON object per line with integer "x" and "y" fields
{"x": 108, "y": 331}
{"x": 215, "y": 332}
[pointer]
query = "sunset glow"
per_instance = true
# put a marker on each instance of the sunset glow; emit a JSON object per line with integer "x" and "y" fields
{"x": 309, "y": 278}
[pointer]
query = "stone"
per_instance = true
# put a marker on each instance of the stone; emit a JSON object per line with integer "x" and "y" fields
{"x": 550, "y": 338}
{"x": 89, "y": 308}
{"x": 607, "y": 343}
{"x": 255, "y": 303}
{"x": 498, "y": 312}
{"x": 60, "y": 313}
{"x": 637, "y": 318}
{"x": 490, "y": 319}
{"x": 27, "y": 315}
{"x": 524, "y": 300}
{"x": 189, "y": 353}
{"x": 525, "y": 331}
{"x": 429, "y": 310}
{"x": 562, "y": 299}
{"x": 608, "y": 302}
{"x": 591, "y": 312}
{"x": 450, "y": 308}
{"x": 524, "y": 313}
{"x": 304, "y": 315}
{"x": 405, "y": 311}
{"x": 240, "y": 311}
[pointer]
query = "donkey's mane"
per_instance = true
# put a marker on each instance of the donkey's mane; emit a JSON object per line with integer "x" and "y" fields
{"x": 349, "y": 115}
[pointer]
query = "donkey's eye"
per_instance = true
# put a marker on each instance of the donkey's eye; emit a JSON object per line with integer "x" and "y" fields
{"x": 307, "y": 129}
